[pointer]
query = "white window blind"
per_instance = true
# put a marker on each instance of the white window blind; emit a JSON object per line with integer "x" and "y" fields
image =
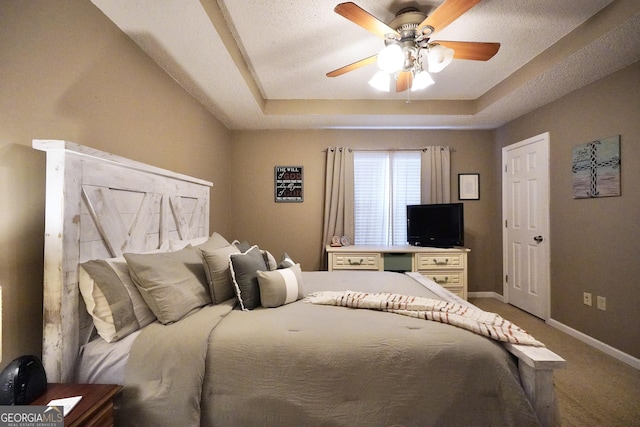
{"x": 384, "y": 184}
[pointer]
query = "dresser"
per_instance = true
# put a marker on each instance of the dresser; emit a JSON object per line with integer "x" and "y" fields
{"x": 447, "y": 267}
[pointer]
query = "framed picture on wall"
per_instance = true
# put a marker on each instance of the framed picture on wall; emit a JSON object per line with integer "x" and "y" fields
{"x": 469, "y": 186}
{"x": 288, "y": 184}
{"x": 596, "y": 168}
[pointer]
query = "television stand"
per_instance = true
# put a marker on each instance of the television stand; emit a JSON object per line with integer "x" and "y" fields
{"x": 445, "y": 266}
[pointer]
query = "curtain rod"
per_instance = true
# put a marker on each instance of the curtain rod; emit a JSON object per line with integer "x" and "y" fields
{"x": 391, "y": 149}
{"x": 400, "y": 149}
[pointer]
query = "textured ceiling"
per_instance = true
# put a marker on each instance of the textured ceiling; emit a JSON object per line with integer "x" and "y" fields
{"x": 260, "y": 64}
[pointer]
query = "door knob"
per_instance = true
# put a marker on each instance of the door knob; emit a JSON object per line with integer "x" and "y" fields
{"x": 538, "y": 239}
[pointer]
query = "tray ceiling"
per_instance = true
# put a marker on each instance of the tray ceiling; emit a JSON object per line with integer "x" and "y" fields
{"x": 263, "y": 64}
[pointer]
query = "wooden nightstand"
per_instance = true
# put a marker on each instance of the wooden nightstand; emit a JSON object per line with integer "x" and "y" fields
{"x": 94, "y": 409}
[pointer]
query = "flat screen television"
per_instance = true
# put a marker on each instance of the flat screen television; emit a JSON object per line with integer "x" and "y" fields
{"x": 438, "y": 225}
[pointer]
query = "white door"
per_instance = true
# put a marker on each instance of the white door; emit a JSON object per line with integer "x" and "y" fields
{"x": 525, "y": 214}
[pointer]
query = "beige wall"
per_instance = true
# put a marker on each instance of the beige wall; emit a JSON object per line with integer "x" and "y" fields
{"x": 66, "y": 72}
{"x": 297, "y": 227}
{"x": 594, "y": 242}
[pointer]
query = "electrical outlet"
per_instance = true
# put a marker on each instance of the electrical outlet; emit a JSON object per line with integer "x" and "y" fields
{"x": 602, "y": 303}
{"x": 586, "y": 299}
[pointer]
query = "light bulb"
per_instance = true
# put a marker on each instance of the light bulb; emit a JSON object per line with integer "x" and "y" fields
{"x": 390, "y": 59}
{"x": 421, "y": 81}
{"x": 439, "y": 57}
{"x": 380, "y": 81}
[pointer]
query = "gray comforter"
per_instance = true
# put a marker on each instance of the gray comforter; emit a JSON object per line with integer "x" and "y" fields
{"x": 305, "y": 364}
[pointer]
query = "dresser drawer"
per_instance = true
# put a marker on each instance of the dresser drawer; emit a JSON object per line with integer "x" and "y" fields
{"x": 457, "y": 291}
{"x": 355, "y": 261}
{"x": 447, "y": 279}
{"x": 432, "y": 261}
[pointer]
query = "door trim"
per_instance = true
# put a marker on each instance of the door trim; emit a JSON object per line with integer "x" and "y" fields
{"x": 544, "y": 137}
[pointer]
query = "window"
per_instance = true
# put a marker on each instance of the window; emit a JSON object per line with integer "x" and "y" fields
{"x": 384, "y": 184}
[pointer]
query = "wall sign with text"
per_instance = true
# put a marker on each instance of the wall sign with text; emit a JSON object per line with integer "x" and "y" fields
{"x": 288, "y": 183}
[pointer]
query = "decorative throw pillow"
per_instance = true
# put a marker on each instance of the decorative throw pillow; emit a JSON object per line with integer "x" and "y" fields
{"x": 286, "y": 261}
{"x": 270, "y": 260}
{"x": 244, "y": 273}
{"x": 111, "y": 298}
{"x": 280, "y": 287}
{"x": 216, "y": 262}
{"x": 214, "y": 242}
{"x": 172, "y": 283}
{"x": 243, "y": 246}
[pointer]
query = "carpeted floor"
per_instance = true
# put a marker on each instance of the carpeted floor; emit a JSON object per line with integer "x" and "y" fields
{"x": 595, "y": 389}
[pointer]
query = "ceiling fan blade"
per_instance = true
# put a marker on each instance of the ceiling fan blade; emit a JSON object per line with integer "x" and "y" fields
{"x": 340, "y": 71}
{"x": 404, "y": 81}
{"x": 477, "y": 51}
{"x": 446, "y": 13}
{"x": 359, "y": 16}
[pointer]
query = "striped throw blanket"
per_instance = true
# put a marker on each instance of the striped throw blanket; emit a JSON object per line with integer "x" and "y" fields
{"x": 481, "y": 322}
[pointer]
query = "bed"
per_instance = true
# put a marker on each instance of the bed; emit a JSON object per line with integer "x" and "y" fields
{"x": 232, "y": 362}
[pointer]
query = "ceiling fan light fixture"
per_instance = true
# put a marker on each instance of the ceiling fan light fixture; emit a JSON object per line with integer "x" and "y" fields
{"x": 439, "y": 57}
{"x": 408, "y": 36}
{"x": 391, "y": 58}
{"x": 421, "y": 80}
{"x": 380, "y": 81}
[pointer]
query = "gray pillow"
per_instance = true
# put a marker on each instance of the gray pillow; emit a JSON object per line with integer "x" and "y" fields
{"x": 218, "y": 272}
{"x": 286, "y": 261}
{"x": 172, "y": 283}
{"x": 280, "y": 287}
{"x": 244, "y": 273}
{"x": 243, "y": 246}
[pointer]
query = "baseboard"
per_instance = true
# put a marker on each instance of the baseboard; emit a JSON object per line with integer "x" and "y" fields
{"x": 485, "y": 295}
{"x": 605, "y": 348}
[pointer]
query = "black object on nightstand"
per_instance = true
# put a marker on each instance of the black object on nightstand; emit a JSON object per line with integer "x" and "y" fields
{"x": 22, "y": 381}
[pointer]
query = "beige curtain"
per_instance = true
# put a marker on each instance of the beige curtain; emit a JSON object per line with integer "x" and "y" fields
{"x": 436, "y": 175}
{"x": 338, "y": 199}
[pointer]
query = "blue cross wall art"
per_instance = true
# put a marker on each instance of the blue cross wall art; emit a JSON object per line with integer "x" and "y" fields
{"x": 596, "y": 168}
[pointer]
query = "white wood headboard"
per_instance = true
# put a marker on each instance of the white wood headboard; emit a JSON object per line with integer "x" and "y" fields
{"x": 98, "y": 206}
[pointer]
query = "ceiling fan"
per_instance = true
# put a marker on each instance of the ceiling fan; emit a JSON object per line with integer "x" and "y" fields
{"x": 406, "y": 37}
